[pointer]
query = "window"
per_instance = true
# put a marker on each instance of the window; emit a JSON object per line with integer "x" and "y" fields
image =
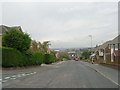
{"x": 118, "y": 45}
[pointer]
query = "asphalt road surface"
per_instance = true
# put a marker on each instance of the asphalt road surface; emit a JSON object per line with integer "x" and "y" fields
{"x": 67, "y": 74}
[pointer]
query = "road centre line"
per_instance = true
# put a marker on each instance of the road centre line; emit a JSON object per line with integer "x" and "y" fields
{"x": 4, "y": 81}
{"x": 7, "y": 78}
{"x": 14, "y": 75}
{"x": 12, "y": 78}
{"x": 19, "y": 75}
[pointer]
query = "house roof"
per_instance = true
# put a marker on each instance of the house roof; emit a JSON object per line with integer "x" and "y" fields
{"x": 115, "y": 40}
{"x": 4, "y": 28}
{"x": 104, "y": 45}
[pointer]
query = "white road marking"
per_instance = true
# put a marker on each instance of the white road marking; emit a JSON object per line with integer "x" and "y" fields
{"x": 4, "y": 81}
{"x": 7, "y": 78}
{"x": 23, "y": 74}
{"x": 104, "y": 75}
{"x": 108, "y": 78}
{"x": 18, "y": 75}
{"x": 12, "y": 78}
{"x": 31, "y": 73}
{"x": 15, "y": 76}
{"x": 34, "y": 72}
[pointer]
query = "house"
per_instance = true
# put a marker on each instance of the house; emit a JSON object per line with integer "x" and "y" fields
{"x": 114, "y": 47}
{"x": 109, "y": 52}
{"x": 4, "y": 28}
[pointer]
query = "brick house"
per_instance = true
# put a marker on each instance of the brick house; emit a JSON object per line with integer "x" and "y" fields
{"x": 109, "y": 52}
{"x": 114, "y": 47}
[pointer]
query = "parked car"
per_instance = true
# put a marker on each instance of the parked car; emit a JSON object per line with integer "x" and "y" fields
{"x": 77, "y": 59}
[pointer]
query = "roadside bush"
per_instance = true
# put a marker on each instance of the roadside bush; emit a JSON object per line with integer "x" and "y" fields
{"x": 86, "y": 54}
{"x": 53, "y": 57}
{"x": 14, "y": 58}
{"x": 0, "y": 56}
{"x": 49, "y": 58}
{"x": 37, "y": 58}
{"x": 11, "y": 57}
{"x": 64, "y": 56}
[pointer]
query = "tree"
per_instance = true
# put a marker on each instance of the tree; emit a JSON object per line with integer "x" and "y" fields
{"x": 16, "y": 39}
{"x": 34, "y": 45}
{"x": 86, "y": 54}
{"x": 40, "y": 46}
{"x": 45, "y": 45}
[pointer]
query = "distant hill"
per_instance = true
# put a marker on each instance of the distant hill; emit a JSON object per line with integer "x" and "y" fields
{"x": 4, "y": 28}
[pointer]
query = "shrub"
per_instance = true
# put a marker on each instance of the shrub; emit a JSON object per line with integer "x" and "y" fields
{"x": 0, "y": 56}
{"x": 52, "y": 57}
{"x": 14, "y": 58}
{"x": 11, "y": 57}
{"x": 16, "y": 39}
{"x": 64, "y": 56}
{"x": 38, "y": 58}
{"x": 86, "y": 54}
{"x": 49, "y": 58}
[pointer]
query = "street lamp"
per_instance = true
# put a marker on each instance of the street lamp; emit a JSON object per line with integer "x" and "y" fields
{"x": 91, "y": 41}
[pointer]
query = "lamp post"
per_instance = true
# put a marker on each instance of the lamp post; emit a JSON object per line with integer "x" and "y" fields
{"x": 91, "y": 42}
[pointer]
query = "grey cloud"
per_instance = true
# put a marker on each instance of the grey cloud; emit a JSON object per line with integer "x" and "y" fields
{"x": 65, "y": 24}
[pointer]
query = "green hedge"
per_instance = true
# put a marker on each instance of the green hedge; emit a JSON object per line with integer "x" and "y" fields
{"x": 0, "y": 56}
{"x": 14, "y": 58}
{"x": 11, "y": 57}
{"x": 37, "y": 58}
{"x": 49, "y": 58}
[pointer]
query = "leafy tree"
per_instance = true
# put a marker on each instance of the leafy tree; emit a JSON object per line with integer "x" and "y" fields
{"x": 86, "y": 54}
{"x": 40, "y": 46}
{"x": 16, "y": 39}
{"x": 45, "y": 46}
{"x": 34, "y": 45}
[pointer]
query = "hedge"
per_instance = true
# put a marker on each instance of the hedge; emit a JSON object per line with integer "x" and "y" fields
{"x": 11, "y": 57}
{"x": 0, "y": 56}
{"x": 37, "y": 58}
{"x": 14, "y": 58}
{"x": 49, "y": 58}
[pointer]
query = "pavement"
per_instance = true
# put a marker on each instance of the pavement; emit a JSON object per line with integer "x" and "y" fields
{"x": 66, "y": 74}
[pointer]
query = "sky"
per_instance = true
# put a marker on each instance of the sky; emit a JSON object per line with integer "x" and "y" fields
{"x": 64, "y": 24}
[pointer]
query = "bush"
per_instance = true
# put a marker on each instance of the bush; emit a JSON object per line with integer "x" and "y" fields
{"x": 0, "y": 56}
{"x": 14, "y": 58}
{"x": 16, "y": 39}
{"x": 86, "y": 54}
{"x": 11, "y": 57}
{"x": 49, "y": 58}
{"x": 38, "y": 58}
{"x": 64, "y": 56}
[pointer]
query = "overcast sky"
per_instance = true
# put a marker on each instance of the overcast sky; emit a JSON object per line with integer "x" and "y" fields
{"x": 64, "y": 24}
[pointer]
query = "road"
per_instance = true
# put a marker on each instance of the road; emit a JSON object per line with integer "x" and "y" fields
{"x": 67, "y": 74}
